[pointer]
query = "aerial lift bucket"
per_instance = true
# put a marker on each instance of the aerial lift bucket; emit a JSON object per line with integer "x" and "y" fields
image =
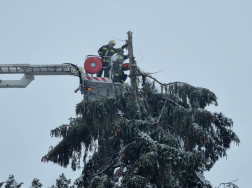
{"x": 96, "y": 87}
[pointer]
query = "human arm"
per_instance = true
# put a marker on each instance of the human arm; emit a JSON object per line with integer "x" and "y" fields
{"x": 126, "y": 56}
{"x": 123, "y": 46}
{"x": 100, "y": 51}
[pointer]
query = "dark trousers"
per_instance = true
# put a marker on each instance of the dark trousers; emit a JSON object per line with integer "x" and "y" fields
{"x": 106, "y": 70}
{"x": 121, "y": 78}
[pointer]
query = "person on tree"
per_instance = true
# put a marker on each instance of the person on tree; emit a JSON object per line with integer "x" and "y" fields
{"x": 107, "y": 50}
{"x": 119, "y": 68}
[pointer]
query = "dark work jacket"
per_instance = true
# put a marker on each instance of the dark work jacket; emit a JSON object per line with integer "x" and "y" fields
{"x": 117, "y": 66}
{"x": 108, "y": 51}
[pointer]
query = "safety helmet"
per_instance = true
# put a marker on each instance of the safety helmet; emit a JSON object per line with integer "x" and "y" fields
{"x": 112, "y": 42}
{"x": 120, "y": 58}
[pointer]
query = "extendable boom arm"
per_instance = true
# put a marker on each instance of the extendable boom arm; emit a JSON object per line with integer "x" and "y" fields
{"x": 30, "y": 70}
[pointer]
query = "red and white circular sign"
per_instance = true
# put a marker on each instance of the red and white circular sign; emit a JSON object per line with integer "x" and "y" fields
{"x": 93, "y": 65}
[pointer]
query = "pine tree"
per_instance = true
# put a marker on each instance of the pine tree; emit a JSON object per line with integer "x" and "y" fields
{"x": 11, "y": 182}
{"x": 62, "y": 182}
{"x": 36, "y": 183}
{"x": 145, "y": 137}
{"x": 157, "y": 140}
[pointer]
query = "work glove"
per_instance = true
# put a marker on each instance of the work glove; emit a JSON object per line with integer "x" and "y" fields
{"x": 125, "y": 46}
{"x": 125, "y": 65}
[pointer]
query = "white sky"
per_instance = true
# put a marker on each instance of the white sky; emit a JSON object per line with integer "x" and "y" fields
{"x": 204, "y": 43}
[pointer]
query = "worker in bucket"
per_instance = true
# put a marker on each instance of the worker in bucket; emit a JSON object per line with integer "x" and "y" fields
{"x": 104, "y": 52}
{"x": 119, "y": 67}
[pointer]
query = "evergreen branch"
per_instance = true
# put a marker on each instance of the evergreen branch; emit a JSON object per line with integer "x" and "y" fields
{"x": 229, "y": 183}
{"x": 118, "y": 176}
{"x": 106, "y": 167}
{"x": 164, "y": 84}
{"x": 2, "y": 183}
{"x": 178, "y": 142}
{"x": 177, "y": 139}
{"x": 174, "y": 102}
{"x": 150, "y": 140}
{"x": 116, "y": 166}
{"x": 146, "y": 103}
{"x": 174, "y": 83}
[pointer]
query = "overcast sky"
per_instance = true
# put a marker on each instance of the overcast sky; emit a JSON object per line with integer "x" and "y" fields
{"x": 201, "y": 42}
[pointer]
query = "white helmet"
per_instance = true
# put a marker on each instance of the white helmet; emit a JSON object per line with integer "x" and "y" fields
{"x": 112, "y": 42}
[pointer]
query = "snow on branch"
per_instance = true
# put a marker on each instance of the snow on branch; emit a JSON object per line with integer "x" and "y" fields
{"x": 230, "y": 184}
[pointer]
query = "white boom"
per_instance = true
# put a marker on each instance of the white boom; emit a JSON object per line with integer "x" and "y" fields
{"x": 91, "y": 87}
{"x": 30, "y": 71}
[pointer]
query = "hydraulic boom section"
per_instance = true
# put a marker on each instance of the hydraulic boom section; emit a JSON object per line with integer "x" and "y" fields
{"x": 30, "y": 71}
{"x": 91, "y": 87}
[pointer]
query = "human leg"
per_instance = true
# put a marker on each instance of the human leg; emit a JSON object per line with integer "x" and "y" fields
{"x": 99, "y": 74}
{"x": 123, "y": 77}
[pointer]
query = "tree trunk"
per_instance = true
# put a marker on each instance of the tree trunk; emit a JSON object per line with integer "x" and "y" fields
{"x": 132, "y": 61}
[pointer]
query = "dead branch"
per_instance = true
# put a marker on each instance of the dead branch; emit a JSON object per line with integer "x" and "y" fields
{"x": 118, "y": 39}
{"x": 156, "y": 72}
{"x": 157, "y": 122}
{"x": 162, "y": 84}
{"x": 174, "y": 102}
